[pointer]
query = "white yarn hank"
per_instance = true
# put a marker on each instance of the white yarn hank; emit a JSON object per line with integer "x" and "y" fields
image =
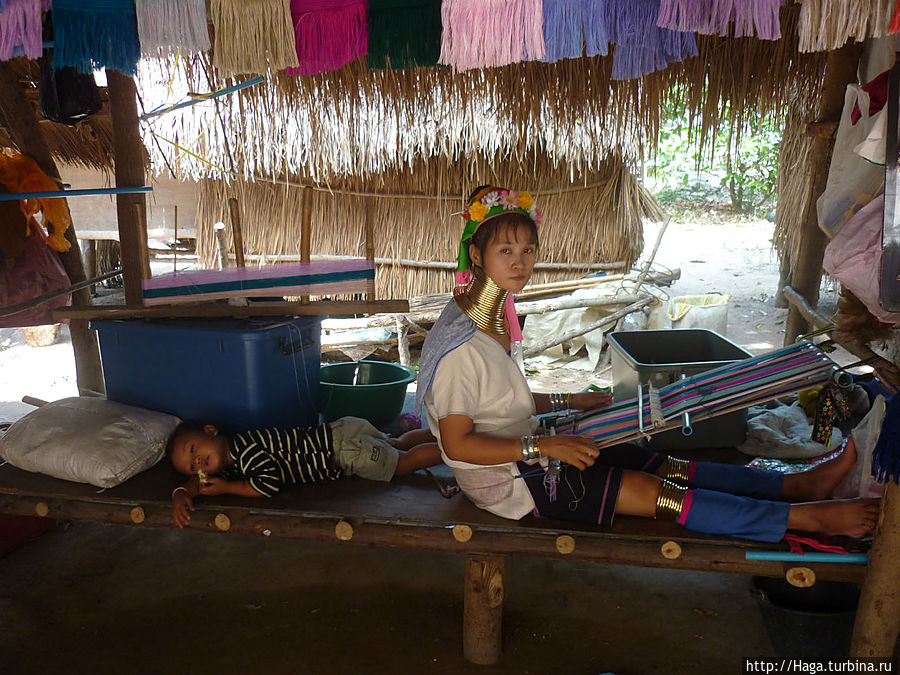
{"x": 826, "y": 25}
{"x": 172, "y": 25}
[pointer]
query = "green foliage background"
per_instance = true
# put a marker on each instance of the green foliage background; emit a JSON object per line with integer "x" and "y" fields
{"x": 736, "y": 170}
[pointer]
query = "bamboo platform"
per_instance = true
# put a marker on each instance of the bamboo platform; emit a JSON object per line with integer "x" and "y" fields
{"x": 407, "y": 513}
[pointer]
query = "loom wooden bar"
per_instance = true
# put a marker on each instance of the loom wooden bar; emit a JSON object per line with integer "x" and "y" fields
{"x": 23, "y": 126}
{"x": 306, "y": 231}
{"x": 840, "y": 70}
{"x": 236, "y": 233}
{"x": 130, "y": 165}
{"x": 323, "y": 307}
{"x": 878, "y": 615}
{"x": 483, "y": 609}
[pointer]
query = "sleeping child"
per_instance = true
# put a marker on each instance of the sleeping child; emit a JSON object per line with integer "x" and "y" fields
{"x": 260, "y": 462}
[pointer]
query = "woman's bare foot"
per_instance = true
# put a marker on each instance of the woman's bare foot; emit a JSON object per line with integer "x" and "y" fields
{"x": 847, "y": 517}
{"x": 818, "y": 483}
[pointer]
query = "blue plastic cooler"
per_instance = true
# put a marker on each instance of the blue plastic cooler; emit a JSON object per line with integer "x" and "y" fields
{"x": 234, "y": 373}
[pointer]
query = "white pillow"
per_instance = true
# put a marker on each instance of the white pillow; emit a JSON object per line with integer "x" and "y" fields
{"x": 88, "y": 440}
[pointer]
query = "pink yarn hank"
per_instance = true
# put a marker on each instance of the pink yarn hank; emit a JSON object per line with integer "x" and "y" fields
{"x": 329, "y": 34}
{"x": 20, "y": 25}
{"x": 485, "y": 33}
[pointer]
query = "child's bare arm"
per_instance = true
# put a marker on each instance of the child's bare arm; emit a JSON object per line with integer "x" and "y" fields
{"x": 183, "y": 501}
{"x": 220, "y": 486}
{"x": 420, "y": 457}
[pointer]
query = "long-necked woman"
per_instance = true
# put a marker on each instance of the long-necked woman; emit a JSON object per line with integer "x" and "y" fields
{"x": 482, "y": 412}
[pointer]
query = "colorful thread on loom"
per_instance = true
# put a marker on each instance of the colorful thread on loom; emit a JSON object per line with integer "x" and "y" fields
{"x": 172, "y": 25}
{"x": 252, "y": 36}
{"x": 485, "y": 33}
{"x": 21, "y": 26}
{"x": 93, "y": 34}
{"x": 404, "y": 33}
{"x": 642, "y": 47}
{"x": 711, "y": 393}
{"x": 760, "y": 18}
{"x": 328, "y": 34}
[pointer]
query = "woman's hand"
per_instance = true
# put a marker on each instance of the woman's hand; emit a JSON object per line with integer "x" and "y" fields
{"x": 588, "y": 400}
{"x": 182, "y": 505}
{"x": 578, "y": 451}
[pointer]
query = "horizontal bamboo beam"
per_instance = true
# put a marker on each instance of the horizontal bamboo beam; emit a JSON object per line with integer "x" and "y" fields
{"x": 712, "y": 556}
{"x": 209, "y": 310}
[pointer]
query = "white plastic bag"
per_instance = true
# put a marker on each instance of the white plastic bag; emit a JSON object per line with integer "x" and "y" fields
{"x": 859, "y": 481}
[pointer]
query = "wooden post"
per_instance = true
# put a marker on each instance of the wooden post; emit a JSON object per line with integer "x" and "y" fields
{"x": 370, "y": 245}
{"x": 236, "y": 233}
{"x": 878, "y": 614}
{"x": 24, "y": 129}
{"x": 89, "y": 255}
{"x": 483, "y": 609}
{"x": 219, "y": 231}
{"x": 131, "y": 209}
{"x": 840, "y": 70}
{"x": 306, "y": 231}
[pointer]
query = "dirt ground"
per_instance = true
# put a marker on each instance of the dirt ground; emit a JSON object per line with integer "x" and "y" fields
{"x": 91, "y": 598}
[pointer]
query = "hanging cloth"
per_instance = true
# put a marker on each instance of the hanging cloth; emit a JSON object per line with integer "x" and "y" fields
{"x": 894, "y": 26}
{"x": 328, "y": 34}
{"x": 20, "y": 173}
{"x": 171, "y": 25}
{"x": 64, "y": 94}
{"x": 574, "y": 28}
{"x": 729, "y": 18}
{"x": 886, "y": 455}
{"x": 404, "y": 33}
{"x": 93, "y": 34}
{"x": 484, "y": 33}
{"x": 252, "y": 35}
{"x": 37, "y": 271}
{"x": 641, "y": 46}
{"x": 826, "y": 25}
{"x": 21, "y": 26}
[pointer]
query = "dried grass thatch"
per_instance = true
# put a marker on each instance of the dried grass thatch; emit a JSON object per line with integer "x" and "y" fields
{"x": 794, "y": 188}
{"x": 600, "y": 220}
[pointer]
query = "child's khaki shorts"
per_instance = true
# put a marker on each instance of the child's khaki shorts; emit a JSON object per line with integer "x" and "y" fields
{"x": 362, "y": 450}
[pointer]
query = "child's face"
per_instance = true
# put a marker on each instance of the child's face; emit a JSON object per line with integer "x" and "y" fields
{"x": 195, "y": 451}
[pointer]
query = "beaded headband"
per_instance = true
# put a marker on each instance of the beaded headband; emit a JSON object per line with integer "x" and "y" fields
{"x": 486, "y": 204}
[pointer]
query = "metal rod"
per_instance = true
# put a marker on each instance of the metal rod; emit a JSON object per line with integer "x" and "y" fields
{"x": 51, "y": 194}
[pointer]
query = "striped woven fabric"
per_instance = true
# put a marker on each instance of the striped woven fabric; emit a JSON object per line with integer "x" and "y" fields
{"x": 325, "y": 277}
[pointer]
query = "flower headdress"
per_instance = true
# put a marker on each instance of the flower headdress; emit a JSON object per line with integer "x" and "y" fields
{"x": 487, "y": 203}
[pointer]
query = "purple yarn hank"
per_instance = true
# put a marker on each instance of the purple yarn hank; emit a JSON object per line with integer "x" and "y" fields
{"x": 641, "y": 46}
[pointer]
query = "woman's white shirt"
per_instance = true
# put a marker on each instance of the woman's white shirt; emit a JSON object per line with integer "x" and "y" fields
{"x": 478, "y": 379}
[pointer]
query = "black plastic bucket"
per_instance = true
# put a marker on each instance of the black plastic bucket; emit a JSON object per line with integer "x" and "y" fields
{"x": 814, "y": 622}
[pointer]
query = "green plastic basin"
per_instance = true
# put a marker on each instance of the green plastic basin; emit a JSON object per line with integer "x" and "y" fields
{"x": 373, "y": 390}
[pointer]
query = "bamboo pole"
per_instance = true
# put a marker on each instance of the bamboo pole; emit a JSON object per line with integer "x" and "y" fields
{"x": 129, "y": 152}
{"x": 878, "y": 614}
{"x": 577, "y": 332}
{"x": 305, "y": 232}
{"x": 483, "y": 609}
{"x": 23, "y": 127}
{"x": 840, "y": 71}
{"x": 236, "y": 233}
{"x": 370, "y": 244}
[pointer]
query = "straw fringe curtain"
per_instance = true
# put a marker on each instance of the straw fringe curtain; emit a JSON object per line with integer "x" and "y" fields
{"x": 601, "y": 223}
{"x": 571, "y": 112}
{"x": 794, "y": 187}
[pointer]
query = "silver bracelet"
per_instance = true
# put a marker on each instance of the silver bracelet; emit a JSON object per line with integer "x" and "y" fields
{"x": 531, "y": 448}
{"x": 559, "y": 402}
{"x": 180, "y": 487}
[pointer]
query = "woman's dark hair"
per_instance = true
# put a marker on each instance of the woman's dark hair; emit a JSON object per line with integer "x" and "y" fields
{"x": 513, "y": 220}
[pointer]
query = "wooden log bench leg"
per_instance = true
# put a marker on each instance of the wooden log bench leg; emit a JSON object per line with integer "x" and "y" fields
{"x": 483, "y": 609}
{"x": 878, "y": 615}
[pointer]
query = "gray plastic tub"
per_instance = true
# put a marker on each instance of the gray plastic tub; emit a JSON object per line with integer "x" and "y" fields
{"x": 661, "y": 357}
